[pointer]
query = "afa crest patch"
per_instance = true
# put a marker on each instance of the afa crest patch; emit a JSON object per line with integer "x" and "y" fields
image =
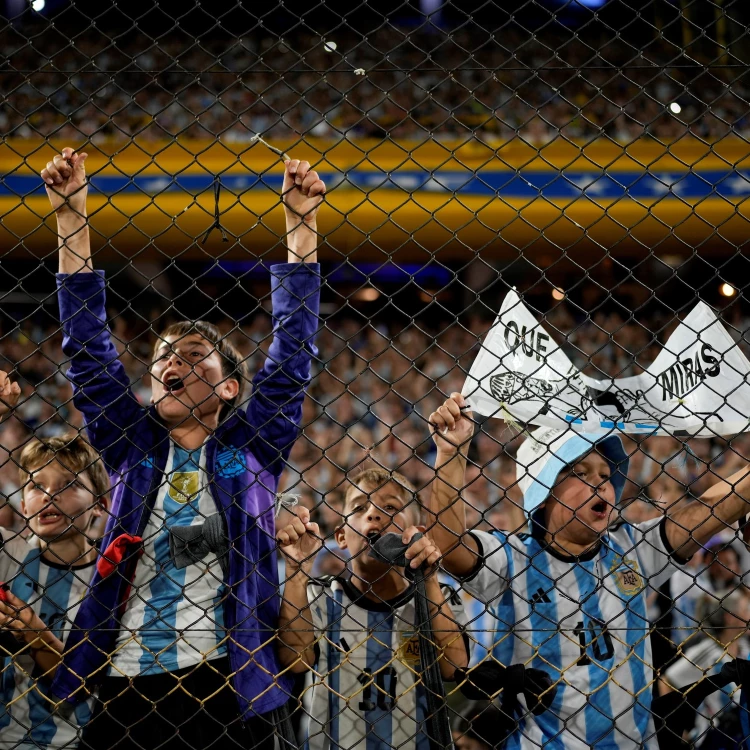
{"x": 627, "y": 576}
{"x": 230, "y": 463}
{"x": 408, "y": 650}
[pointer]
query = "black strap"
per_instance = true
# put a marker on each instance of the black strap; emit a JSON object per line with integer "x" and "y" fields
{"x": 282, "y": 719}
{"x": 217, "y": 215}
{"x": 389, "y": 548}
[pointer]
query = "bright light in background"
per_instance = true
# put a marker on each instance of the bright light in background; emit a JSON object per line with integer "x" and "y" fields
{"x": 366, "y": 294}
{"x": 430, "y": 6}
{"x": 558, "y": 294}
{"x": 727, "y": 290}
{"x": 675, "y": 108}
{"x": 37, "y": 5}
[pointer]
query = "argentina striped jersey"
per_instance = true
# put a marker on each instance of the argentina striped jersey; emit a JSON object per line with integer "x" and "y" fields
{"x": 480, "y": 628}
{"x": 174, "y": 617}
{"x": 27, "y": 714}
{"x": 366, "y": 692}
{"x": 582, "y": 621}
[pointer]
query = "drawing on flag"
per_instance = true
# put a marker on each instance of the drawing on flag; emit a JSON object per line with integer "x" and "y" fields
{"x": 697, "y": 386}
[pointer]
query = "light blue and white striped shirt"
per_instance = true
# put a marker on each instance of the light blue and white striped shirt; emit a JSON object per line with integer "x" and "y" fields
{"x": 584, "y": 622}
{"x": 174, "y": 617}
{"x": 366, "y": 691}
{"x": 27, "y": 715}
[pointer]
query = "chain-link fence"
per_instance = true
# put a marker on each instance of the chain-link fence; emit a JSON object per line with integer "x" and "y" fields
{"x": 197, "y": 516}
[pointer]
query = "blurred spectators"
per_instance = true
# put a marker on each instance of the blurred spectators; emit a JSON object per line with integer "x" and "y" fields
{"x": 537, "y": 87}
{"x": 717, "y": 721}
{"x": 372, "y": 391}
{"x": 721, "y": 574}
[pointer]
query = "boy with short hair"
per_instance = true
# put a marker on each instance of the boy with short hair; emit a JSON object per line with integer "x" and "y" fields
{"x": 358, "y": 633}
{"x": 64, "y": 493}
{"x": 182, "y": 650}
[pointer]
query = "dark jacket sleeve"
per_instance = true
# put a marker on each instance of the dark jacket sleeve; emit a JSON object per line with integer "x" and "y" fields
{"x": 275, "y": 408}
{"x": 101, "y": 389}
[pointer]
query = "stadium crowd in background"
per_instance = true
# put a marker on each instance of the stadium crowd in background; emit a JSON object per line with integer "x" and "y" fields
{"x": 100, "y": 91}
{"x": 370, "y": 395}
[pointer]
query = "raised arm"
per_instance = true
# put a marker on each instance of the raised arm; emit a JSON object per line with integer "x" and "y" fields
{"x": 299, "y": 542}
{"x": 302, "y": 194}
{"x": 452, "y": 433}
{"x": 100, "y": 384}
{"x": 67, "y": 189}
{"x": 720, "y": 506}
{"x": 275, "y": 408}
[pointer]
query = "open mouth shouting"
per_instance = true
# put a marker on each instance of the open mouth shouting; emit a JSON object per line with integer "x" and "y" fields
{"x": 173, "y": 383}
{"x": 372, "y": 537}
{"x": 48, "y": 517}
{"x": 600, "y": 509}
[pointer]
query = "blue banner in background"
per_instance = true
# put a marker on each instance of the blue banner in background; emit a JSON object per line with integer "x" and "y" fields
{"x": 506, "y": 184}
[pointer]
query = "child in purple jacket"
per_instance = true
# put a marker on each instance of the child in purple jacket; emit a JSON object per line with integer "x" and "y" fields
{"x": 177, "y": 630}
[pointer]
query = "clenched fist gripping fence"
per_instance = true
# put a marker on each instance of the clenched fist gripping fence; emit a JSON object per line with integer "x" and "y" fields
{"x": 477, "y": 290}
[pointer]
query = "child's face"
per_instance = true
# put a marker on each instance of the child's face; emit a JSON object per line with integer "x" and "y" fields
{"x": 369, "y": 513}
{"x": 584, "y": 501}
{"x": 59, "y": 504}
{"x": 187, "y": 380}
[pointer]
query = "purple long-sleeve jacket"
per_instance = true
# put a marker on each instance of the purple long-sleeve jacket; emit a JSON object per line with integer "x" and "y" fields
{"x": 244, "y": 458}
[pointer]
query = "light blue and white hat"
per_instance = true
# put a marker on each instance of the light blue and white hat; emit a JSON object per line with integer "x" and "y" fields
{"x": 547, "y": 451}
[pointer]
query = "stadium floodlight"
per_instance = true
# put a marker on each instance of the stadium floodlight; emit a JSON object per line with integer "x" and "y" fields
{"x": 675, "y": 108}
{"x": 727, "y": 290}
{"x": 37, "y": 5}
{"x": 366, "y": 294}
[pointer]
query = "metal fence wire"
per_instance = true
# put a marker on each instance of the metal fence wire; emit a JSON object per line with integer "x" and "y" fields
{"x": 374, "y": 375}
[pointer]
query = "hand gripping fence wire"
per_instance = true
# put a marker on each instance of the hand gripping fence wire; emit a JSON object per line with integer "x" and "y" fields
{"x": 480, "y": 270}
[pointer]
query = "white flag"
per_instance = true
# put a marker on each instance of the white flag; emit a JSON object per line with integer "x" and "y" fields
{"x": 698, "y": 385}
